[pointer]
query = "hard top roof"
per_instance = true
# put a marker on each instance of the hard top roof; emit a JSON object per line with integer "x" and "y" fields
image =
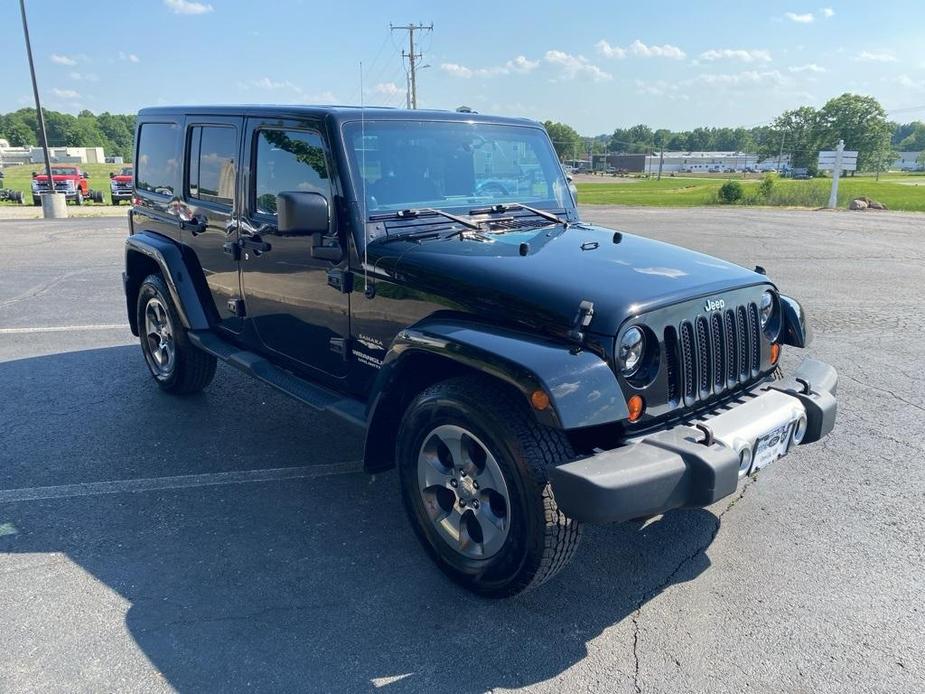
{"x": 338, "y": 113}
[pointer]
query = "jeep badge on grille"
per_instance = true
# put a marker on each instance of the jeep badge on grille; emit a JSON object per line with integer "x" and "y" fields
{"x": 714, "y": 305}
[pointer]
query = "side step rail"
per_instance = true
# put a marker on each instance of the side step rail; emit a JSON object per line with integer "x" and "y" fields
{"x": 315, "y": 396}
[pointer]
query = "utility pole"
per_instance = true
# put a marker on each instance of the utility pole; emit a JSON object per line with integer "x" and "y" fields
{"x": 780, "y": 153}
{"x": 661, "y": 160}
{"x": 412, "y": 57}
{"x": 38, "y": 103}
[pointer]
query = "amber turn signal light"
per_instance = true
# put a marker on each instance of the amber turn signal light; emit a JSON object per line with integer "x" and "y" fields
{"x": 775, "y": 353}
{"x": 636, "y": 406}
{"x": 539, "y": 399}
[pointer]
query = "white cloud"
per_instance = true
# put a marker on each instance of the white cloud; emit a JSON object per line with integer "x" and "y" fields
{"x": 298, "y": 94}
{"x": 876, "y": 57}
{"x": 806, "y": 18}
{"x": 573, "y": 66}
{"x": 909, "y": 83}
{"x": 65, "y": 93}
{"x": 827, "y": 12}
{"x": 639, "y": 49}
{"x": 661, "y": 88}
{"x": 608, "y": 51}
{"x": 83, "y": 77}
{"x": 388, "y": 89}
{"x": 747, "y": 77}
{"x": 62, "y": 59}
{"x": 520, "y": 65}
{"x": 129, "y": 57}
{"x": 745, "y": 55}
{"x": 810, "y": 67}
{"x": 187, "y": 7}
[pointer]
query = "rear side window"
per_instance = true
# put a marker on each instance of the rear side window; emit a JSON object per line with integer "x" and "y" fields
{"x": 212, "y": 154}
{"x": 157, "y": 167}
{"x": 288, "y": 160}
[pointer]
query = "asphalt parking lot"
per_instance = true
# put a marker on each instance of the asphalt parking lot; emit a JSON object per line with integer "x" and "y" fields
{"x": 226, "y": 541}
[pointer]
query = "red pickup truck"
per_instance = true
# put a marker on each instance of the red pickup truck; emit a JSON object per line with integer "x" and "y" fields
{"x": 120, "y": 185}
{"x": 67, "y": 179}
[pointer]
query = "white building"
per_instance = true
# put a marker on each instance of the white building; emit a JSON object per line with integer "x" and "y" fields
{"x": 59, "y": 155}
{"x": 908, "y": 161}
{"x": 701, "y": 162}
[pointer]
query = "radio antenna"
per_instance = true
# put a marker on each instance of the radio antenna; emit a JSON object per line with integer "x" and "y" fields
{"x": 366, "y": 288}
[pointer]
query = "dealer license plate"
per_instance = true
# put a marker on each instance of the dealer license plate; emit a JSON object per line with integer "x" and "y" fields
{"x": 772, "y": 446}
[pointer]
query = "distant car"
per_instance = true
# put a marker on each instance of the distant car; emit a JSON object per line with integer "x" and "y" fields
{"x": 120, "y": 184}
{"x": 67, "y": 179}
{"x": 9, "y": 194}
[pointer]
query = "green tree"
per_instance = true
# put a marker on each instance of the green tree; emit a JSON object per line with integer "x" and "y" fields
{"x": 914, "y": 138}
{"x": 568, "y": 143}
{"x": 861, "y": 122}
{"x": 796, "y": 132}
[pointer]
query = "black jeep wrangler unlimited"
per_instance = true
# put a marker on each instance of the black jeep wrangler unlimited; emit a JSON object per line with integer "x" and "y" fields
{"x": 426, "y": 276}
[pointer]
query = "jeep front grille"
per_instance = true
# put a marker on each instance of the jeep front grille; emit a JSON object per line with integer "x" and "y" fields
{"x": 712, "y": 354}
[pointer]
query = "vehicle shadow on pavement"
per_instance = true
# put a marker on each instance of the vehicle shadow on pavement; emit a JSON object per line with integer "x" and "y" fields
{"x": 283, "y": 585}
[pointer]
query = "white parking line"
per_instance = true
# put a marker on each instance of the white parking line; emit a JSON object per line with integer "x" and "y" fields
{"x": 63, "y": 328}
{"x": 67, "y": 491}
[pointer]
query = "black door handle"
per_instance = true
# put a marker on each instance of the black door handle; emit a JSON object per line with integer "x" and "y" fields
{"x": 255, "y": 244}
{"x": 195, "y": 225}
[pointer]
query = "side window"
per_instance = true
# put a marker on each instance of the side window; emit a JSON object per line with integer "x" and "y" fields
{"x": 212, "y": 152}
{"x": 288, "y": 160}
{"x": 157, "y": 167}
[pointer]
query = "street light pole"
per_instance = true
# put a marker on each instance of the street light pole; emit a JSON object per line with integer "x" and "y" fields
{"x": 38, "y": 103}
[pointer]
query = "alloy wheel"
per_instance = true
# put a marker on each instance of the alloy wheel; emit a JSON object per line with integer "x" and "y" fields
{"x": 464, "y": 492}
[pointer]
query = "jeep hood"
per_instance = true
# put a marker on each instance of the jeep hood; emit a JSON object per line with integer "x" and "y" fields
{"x": 539, "y": 277}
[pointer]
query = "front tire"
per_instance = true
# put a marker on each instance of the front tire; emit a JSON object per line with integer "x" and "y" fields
{"x": 473, "y": 464}
{"x": 175, "y": 364}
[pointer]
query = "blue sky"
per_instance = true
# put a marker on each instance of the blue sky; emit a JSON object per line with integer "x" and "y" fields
{"x": 596, "y": 65}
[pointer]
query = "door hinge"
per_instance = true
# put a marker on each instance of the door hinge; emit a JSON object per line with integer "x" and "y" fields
{"x": 341, "y": 280}
{"x": 236, "y": 306}
{"x": 339, "y": 346}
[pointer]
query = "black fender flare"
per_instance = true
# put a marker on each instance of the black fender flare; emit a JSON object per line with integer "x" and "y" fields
{"x": 795, "y": 330}
{"x": 583, "y": 390}
{"x": 168, "y": 256}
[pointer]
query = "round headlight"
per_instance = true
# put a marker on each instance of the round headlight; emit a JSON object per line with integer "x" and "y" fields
{"x": 630, "y": 350}
{"x": 766, "y": 308}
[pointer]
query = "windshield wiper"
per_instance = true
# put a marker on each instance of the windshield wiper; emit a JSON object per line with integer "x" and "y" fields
{"x": 425, "y": 212}
{"x": 501, "y": 207}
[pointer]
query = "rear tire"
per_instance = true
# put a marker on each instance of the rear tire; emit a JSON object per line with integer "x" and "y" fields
{"x": 506, "y": 535}
{"x": 79, "y": 198}
{"x": 175, "y": 364}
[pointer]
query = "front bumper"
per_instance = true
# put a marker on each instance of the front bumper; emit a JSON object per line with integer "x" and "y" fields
{"x": 699, "y": 463}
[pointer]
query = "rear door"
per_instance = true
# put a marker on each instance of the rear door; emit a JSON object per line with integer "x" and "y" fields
{"x": 298, "y": 317}
{"x": 208, "y": 212}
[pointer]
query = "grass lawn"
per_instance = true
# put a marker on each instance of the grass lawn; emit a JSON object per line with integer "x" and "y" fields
{"x": 20, "y": 178}
{"x": 897, "y": 191}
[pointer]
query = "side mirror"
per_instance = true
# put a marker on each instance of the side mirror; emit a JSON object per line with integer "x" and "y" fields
{"x": 112, "y": 174}
{"x": 306, "y": 214}
{"x": 35, "y": 174}
{"x": 85, "y": 174}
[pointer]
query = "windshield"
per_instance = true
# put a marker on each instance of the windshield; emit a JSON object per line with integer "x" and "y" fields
{"x": 127, "y": 171}
{"x": 432, "y": 164}
{"x": 60, "y": 171}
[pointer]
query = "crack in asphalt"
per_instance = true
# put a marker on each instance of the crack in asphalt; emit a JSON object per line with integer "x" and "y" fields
{"x": 884, "y": 390}
{"x": 637, "y": 612}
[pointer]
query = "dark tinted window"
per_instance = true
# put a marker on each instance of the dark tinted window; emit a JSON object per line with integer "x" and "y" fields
{"x": 157, "y": 158}
{"x": 288, "y": 160}
{"x": 212, "y": 154}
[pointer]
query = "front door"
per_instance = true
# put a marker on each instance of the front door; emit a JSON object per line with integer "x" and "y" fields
{"x": 296, "y": 314}
{"x": 207, "y": 213}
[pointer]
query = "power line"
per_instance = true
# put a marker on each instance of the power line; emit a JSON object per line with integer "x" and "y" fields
{"x": 413, "y": 58}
